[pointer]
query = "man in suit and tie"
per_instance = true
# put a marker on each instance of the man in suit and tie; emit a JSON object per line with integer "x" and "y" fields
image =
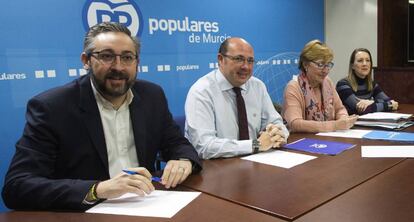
{"x": 229, "y": 112}
{"x": 80, "y": 137}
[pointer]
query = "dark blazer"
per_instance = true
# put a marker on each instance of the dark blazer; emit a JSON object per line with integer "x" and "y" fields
{"x": 62, "y": 151}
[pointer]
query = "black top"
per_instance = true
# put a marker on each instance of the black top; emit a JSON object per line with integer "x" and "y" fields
{"x": 350, "y": 98}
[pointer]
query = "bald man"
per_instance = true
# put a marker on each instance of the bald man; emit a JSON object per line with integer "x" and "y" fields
{"x": 213, "y": 124}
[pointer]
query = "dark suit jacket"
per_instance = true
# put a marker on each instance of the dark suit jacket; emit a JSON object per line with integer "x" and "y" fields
{"x": 62, "y": 151}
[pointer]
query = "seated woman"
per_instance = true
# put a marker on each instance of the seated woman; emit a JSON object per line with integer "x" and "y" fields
{"x": 359, "y": 92}
{"x": 311, "y": 103}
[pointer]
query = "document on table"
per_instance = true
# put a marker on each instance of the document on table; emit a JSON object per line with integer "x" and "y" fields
{"x": 157, "y": 204}
{"x": 279, "y": 158}
{"x": 386, "y": 125}
{"x": 387, "y": 151}
{"x": 385, "y": 116}
{"x": 351, "y": 133}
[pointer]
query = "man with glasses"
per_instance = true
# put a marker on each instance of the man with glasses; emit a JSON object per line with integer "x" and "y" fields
{"x": 228, "y": 111}
{"x": 80, "y": 138}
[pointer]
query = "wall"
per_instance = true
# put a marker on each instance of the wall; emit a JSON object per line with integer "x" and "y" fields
{"x": 394, "y": 73}
{"x": 392, "y": 33}
{"x": 41, "y": 42}
{"x": 350, "y": 24}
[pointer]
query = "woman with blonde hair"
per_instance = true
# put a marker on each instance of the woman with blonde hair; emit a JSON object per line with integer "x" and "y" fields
{"x": 359, "y": 93}
{"x": 311, "y": 103}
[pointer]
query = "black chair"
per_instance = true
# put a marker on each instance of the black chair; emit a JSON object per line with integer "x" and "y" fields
{"x": 180, "y": 121}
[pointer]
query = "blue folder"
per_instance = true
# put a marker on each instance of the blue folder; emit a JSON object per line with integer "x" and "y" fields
{"x": 319, "y": 146}
{"x": 390, "y": 135}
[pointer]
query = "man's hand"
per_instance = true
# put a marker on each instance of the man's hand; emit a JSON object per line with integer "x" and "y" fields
{"x": 363, "y": 104}
{"x": 175, "y": 172}
{"x": 139, "y": 184}
{"x": 277, "y": 136}
{"x": 273, "y": 137}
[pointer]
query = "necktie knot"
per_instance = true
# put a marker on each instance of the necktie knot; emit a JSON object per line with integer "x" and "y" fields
{"x": 237, "y": 90}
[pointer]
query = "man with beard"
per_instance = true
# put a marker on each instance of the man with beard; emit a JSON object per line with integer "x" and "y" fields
{"x": 229, "y": 112}
{"x": 80, "y": 137}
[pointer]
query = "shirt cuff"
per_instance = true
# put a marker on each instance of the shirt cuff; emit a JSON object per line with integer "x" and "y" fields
{"x": 245, "y": 146}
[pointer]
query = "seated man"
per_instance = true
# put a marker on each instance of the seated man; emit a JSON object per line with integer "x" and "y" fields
{"x": 80, "y": 137}
{"x": 229, "y": 112}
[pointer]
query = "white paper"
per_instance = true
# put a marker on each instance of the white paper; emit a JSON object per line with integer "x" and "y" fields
{"x": 280, "y": 158}
{"x": 351, "y": 133}
{"x": 157, "y": 204}
{"x": 386, "y": 125}
{"x": 384, "y": 116}
{"x": 387, "y": 151}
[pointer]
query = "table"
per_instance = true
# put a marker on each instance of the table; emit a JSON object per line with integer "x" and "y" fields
{"x": 345, "y": 187}
{"x": 204, "y": 208}
{"x": 387, "y": 197}
{"x": 291, "y": 193}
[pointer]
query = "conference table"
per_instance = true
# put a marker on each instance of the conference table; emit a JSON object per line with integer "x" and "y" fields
{"x": 203, "y": 208}
{"x": 344, "y": 187}
{"x": 292, "y": 193}
{"x": 386, "y": 197}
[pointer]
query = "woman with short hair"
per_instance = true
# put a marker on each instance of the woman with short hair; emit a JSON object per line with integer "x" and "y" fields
{"x": 311, "y": 103}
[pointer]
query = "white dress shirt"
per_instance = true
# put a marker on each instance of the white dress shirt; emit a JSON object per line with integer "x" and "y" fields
{"x": 211, "y": 115}
{"x": 119, "y": 136}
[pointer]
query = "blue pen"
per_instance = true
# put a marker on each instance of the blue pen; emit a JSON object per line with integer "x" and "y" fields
{"x": 156, "y": 179}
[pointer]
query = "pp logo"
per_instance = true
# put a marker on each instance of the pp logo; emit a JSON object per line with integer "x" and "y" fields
{"x": 125, "y": 12}
{"x": 318, "y": 146}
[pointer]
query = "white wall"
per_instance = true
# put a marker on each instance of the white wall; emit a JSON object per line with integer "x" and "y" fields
{"x": 350, "y": 24}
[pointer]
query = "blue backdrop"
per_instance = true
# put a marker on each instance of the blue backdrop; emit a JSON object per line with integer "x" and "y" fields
{"x": 41, "y": 42}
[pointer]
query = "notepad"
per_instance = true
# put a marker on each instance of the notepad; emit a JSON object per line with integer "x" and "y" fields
{"x": 319, "y": 146}
{"x": 351, "y": 133}
{"x": 279, "y": 158}
{"x": 387, "y": 151}
{"x": 384, "y": 116}
{"x": 386, "y": 125}
{"x": 391, "y": 121}
{"x": 158, "y": 204}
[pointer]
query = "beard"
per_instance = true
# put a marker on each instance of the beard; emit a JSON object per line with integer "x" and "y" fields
{"x": 104, "y": 86}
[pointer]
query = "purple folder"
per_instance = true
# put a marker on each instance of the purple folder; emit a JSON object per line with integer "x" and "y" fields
{"x": 318, "y": 146}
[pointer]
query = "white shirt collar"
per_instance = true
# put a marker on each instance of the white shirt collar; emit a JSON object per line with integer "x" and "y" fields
{"x": 224, "y": 84}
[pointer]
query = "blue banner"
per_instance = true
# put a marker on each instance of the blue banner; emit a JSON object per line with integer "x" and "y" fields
{"x": 41, "y": 42}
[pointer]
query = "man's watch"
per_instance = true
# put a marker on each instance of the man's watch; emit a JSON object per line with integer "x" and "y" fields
{"x": 91, "y": 196}
{"x": 255, "y": 146}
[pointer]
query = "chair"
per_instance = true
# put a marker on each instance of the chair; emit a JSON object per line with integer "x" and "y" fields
{"x": 180, "y": 121}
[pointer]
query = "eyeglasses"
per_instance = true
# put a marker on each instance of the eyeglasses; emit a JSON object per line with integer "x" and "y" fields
{"x": 109, "y": 57}
{"x": 240, "y": 59}
{"x": 320, "y": 65}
